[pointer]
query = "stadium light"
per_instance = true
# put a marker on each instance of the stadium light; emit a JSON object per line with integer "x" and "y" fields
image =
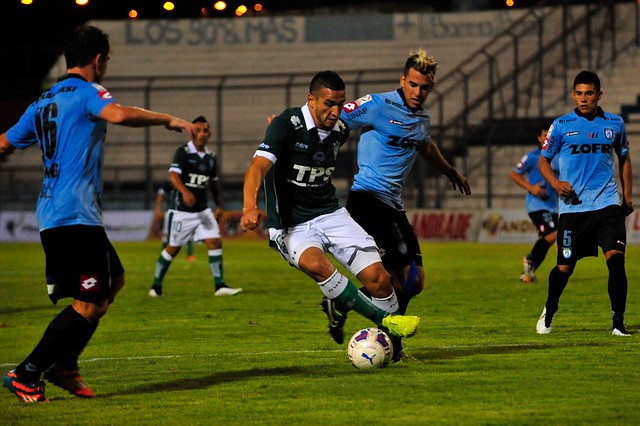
{"x": 241, "y": 10}
{"x": 510, "y": 3}
{"x": 169, "y": 6}
{"x": 258, "y": 7}
{"x": 82, "y": 2}
{"x": 26, "y": 2}
{"x": 220, "y": 5}
{"x": 133, "y": 14}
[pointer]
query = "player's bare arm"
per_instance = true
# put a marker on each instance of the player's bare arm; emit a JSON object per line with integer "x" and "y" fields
{"x": 564, "y": 189}
{"x": 216, "y": 193}
{"x": 5, "y": 146}
{"x": 140, "y": 117}
{"x": 626, "y": 174}
{"x": 433, "y": 156}
{"x": 253, "y": 179}
{"x": 187, "y": 196}
{"x": 536, "y": 190}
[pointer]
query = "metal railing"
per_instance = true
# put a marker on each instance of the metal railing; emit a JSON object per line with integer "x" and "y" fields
{"x": 513, "y": 76}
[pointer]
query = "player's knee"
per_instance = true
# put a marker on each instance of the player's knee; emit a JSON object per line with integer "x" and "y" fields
{"x": 214, "y": 243}
{"x": 316, "y": 264}
{"x": 92, "y": 312}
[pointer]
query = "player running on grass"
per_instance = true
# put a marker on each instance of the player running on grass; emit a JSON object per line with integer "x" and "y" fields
{"x": 397, "y": 130}
{"x": 295, "y": 161}
{"x": 69, "y": 123}
{"x": 542, "y": 206}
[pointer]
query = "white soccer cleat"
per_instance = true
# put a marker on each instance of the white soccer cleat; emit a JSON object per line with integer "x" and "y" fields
{"x": 621, "y": 333}
{"x": 227, "y": 291}
{"x": 541, "y": 326}
{"x": 156, "y": 291}
{"x": 528, "y": 275}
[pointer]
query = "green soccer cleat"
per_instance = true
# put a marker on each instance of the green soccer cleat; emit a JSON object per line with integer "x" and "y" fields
{"x": 401, "y": 325}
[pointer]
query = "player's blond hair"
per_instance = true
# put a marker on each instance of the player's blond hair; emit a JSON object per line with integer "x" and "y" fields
{"x": 422, "y": 62}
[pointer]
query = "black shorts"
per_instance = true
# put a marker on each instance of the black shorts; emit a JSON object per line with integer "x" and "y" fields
{"x": 80, "y": 263}
{"x": 580, "y": 234}
{"x": 389, "y": 227}
{"x": 545, "y": 222}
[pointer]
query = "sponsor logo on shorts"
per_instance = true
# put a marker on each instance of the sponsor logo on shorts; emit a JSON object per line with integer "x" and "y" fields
{"x": 89, "y": 283}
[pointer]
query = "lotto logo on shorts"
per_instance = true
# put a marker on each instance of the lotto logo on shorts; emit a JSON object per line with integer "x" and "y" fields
{"x": 89, "y": 283}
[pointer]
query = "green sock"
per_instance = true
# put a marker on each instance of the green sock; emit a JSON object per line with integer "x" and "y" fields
{"x": 215, "y": 264}
{"x": 351, "y": 297}
{"x": 164, "y": 261}
{"x": 189, "y": 248}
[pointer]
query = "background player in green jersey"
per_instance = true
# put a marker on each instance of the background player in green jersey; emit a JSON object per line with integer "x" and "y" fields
{"x": 193, "y": 172}
{"x": 295, "y": 161}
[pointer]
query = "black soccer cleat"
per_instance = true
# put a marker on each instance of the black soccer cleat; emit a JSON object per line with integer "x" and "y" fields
{"x": 336, "y": 320}
{"x": 398, "y": 350}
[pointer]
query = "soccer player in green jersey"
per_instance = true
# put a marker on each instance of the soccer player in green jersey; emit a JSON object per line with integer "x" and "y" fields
{"x": 194, "y": 170}
{"x": 295, "y": 161}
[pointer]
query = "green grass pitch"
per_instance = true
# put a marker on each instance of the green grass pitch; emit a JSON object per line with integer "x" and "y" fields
{"x": 264, "y": 357}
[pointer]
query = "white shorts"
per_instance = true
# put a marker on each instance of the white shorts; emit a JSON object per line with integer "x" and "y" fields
{"x": 336, "y": 233}
{"x": 184, "y": 226}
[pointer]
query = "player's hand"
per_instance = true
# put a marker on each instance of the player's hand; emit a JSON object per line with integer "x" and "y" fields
{"x": 178, "y": 125}
{"x": 539, "y": 192}
{"x": 250, "y": 219}
{"x": 271, "y": 117}
{"x": 188, "y": 198}
{"x": 460, "y": 183}
{"x": 627, "y": 207}
{"x": 564, "y": 189}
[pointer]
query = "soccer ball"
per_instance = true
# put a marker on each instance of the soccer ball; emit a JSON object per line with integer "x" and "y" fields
{"x": 370, "y": 348}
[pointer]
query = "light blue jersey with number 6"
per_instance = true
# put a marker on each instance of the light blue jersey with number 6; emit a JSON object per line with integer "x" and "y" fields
{"x": 65, "y": 122}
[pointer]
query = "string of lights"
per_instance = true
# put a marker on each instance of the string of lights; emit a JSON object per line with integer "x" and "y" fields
{"x": 177, "y": 9}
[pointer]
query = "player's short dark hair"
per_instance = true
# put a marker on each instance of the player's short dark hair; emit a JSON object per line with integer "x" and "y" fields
{"x": 587, "y": 77}
{"x": 200, "y": 119}
{"x": 84, "y": 44}
{"x": 326, "y": 79}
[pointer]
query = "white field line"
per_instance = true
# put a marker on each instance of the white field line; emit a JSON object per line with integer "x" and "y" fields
{"x": 227, "y": 354}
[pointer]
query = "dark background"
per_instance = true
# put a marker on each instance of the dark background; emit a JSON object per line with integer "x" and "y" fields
{"x": 33, "y": 37}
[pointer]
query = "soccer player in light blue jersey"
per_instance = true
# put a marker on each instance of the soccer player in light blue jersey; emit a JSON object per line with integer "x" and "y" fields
{"x": 395, "y": 130}
{"x": 68, "y": 122}
{"x": 542, "y": 206}
{"x": 592, "y": 213}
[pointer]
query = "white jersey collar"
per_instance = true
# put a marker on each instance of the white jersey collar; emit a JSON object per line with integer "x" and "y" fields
{"x": 192, "y": 149}
{"x": 308, "y": 119}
